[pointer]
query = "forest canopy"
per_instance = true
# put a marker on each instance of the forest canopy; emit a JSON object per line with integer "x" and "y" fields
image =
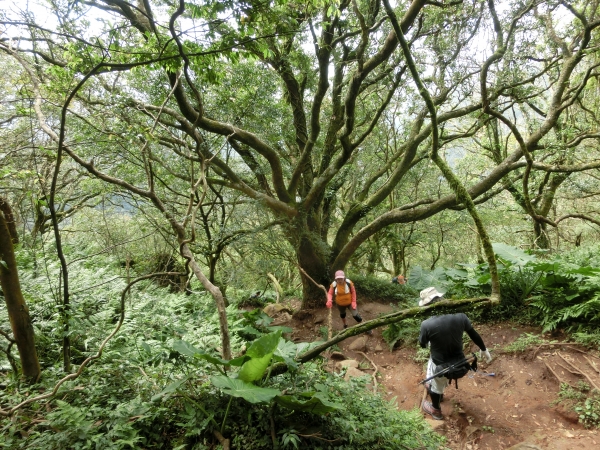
{"x": 306, "y": 122}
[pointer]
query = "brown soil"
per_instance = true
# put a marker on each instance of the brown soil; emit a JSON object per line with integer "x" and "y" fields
{"x": 515, "y": 405}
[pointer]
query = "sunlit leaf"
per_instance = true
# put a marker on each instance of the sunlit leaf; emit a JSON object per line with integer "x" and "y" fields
{"x": 247, "y": 391}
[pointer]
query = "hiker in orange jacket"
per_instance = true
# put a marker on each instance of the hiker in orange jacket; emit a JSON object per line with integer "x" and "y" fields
{"x": 342, "y": 289}
{"x": 399, "y": 279}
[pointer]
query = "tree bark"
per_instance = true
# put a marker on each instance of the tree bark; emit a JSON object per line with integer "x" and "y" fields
{"x": 216, "y": 295}
{"x": 18, "y": 312}
{"x": 313, "y": 256}
{"x": 311, "y": 295}
{"x": 10, "y": 220}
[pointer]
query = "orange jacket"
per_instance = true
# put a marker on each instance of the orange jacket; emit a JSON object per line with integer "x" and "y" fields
{"x": 344, "y": 296}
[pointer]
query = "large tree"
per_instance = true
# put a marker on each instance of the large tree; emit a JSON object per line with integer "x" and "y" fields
{"x": 290, "y": 104}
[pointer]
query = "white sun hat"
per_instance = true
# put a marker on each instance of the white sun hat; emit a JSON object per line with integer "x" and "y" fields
{"x": 428, "y": 295}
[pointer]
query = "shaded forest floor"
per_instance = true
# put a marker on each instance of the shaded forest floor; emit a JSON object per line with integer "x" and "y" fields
{"x": 518, "y": 404}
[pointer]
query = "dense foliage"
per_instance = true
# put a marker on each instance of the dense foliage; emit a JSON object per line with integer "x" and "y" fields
{"x": 161, "y": 382}
{"x": 225, "y": 144}
{"x": 553, "y": 291}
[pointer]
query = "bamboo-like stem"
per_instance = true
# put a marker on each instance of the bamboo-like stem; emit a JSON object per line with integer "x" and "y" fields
{"x": 278, "y": 289}
{"x": 226, "y": 413}
{"x": 460, "y": 191}
{"x": 223, "y": 441}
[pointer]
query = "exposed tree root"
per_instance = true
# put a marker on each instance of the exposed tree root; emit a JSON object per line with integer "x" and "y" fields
{"x": 592, "y": 363}
{"x": 581, "y": 372}
{"x": 374, "y": 373}
{"x": 568, "y": 370}
{"x": 506, "y": 381}
{"x": 224, "y": 442}
{"x": 560, "y": 381}
{"x": 555, "y": 343}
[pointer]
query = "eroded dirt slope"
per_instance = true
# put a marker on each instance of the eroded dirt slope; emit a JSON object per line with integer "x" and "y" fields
{"x": 517, "y": 404}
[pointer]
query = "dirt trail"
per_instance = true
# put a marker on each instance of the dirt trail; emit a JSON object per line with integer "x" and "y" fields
{"x": 514, "y": 405}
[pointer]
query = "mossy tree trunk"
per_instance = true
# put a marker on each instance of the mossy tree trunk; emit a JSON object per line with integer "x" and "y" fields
{"x": 18, "y": 312}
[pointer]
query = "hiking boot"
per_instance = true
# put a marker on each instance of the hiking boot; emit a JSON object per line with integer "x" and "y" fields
{"x": 428, "y": 387}
{"x": 345, "y": 326}
{"x": 429, "y": 409}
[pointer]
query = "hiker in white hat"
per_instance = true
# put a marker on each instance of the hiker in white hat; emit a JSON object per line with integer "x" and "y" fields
{"x": 428, "y": 295}
{"x": 444, "y": 335}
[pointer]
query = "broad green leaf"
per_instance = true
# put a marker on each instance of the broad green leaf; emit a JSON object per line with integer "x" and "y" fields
{"x": 185, "y": 348}
{"x": 280, "y": 328}
{"x": 587, "y": 271}
{"x": 512, "y": 255}
{"x": 286, "y": 351}
{"x": 420, "y": 278}
{"x": 250, "y": 330}
{"x": 260, "y": 352}
{"x": 304, "y": 347}
{"x": 486, "y": 278}
{"x": 237, "y": 362}
{"x": 239, "y": 388}
{"x": 254, "y": 369}
{"x": 545, "y": 267}
{"x": 265, "y": 345}
{"x": 457, "y": 274}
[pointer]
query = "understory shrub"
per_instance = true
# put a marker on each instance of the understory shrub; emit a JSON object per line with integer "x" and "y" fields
{"x": 367, "y": 421}
{"x": 583, "y": 400}
{"x": 402, "y": 333}
{"x": 185, "y": 414}
{"x": 524, "y": 342}
{"x": 149, "y": 390}
{"x": 554, "y": 291}
{"x": 384, "y": 291}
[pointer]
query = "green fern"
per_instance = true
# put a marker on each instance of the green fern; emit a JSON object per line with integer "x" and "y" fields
{"x": 405, "y": 332}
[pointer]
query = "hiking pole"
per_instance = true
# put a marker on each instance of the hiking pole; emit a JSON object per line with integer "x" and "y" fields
{"x": 443, "y": 372}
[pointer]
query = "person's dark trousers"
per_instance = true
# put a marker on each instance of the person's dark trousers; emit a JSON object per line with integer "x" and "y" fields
{"x": 435, "y": 399}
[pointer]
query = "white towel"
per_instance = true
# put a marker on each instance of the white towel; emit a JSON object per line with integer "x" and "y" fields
{"x": 347, "y": 286}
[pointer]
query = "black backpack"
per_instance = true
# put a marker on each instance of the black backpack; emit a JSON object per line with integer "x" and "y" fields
{"x": 454, "y": 370}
